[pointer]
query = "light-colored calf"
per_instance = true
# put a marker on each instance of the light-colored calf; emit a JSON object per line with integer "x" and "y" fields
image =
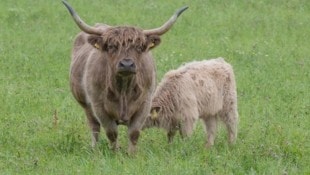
{"x": 200, "y": 89}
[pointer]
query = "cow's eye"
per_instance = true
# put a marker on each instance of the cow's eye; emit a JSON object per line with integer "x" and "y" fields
{"x": 112, "y": 48}
{"x": 139, "y": 49}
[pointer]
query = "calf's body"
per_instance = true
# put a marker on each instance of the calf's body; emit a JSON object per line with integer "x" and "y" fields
{"x": 200, "y": 89}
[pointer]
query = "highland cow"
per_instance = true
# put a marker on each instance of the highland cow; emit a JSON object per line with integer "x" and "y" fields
{"x": 113, "y": 76}
{"x": 200, "y": 89}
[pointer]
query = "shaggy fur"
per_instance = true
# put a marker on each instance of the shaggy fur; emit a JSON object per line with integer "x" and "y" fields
{"x": 200, "y": 89}
{"x": 108, "y": 94}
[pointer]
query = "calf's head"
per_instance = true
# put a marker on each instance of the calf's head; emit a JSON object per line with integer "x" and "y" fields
{"x": 154, "y": 118}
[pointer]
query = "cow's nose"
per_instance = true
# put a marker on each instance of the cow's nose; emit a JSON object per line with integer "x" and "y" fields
{"x": 126, "y": 64}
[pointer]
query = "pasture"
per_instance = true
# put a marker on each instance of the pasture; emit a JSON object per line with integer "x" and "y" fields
{"x": 44, "y": 131}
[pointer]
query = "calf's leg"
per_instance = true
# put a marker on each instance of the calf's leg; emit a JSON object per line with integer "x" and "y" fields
{"x": 170, "y": 135}
{"x": 231, "y": 122}
{"x": 188, "y": 120}
{"x": 187, "y": 127}
{"x": 211, "y": 127}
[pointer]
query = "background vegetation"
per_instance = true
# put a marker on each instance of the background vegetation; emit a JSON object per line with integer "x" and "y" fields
{"x": 43, "y": 130}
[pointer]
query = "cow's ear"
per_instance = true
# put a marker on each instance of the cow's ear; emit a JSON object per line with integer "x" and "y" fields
{"x": 154, "y": 112}
{"x": 153, "y": 41}
{"x": 96, "y": 41}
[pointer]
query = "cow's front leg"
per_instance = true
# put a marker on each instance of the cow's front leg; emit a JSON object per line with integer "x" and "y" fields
{"x": 135, "y": 125}
{"x": 108, "y": 124}
{"x": 134, "y": 129}
{"x": 133, "y": 134}
{"x": 110, "y": 127}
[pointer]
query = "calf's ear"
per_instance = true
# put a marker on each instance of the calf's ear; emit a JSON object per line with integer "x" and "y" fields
{"x": 96, "y": 41}
{"x": 154, "y": 112}
{"x": 153, "y": 41}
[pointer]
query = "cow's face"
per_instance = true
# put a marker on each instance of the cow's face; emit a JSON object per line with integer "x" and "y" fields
{"x": 124, "y": 47}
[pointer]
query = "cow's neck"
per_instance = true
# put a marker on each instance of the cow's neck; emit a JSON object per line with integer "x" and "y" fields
{"x": 124, "y": 84}
{"x": 124, "y": 87}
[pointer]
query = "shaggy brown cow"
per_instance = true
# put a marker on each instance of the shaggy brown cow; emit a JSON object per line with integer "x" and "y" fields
{"x": 200, "y": 89}
{"x": 112, "y": 75}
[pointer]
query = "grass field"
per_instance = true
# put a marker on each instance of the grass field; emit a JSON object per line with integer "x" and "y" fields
{"x": 266, "y": 41}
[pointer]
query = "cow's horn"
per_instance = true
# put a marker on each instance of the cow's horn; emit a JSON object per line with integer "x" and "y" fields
{"x": 81, "y": 24}
{"x": 164, "y": 28}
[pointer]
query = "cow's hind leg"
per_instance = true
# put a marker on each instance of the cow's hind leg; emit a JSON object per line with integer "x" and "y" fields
{"x": 94, "y": 125}
{"x": 211, "y": 127}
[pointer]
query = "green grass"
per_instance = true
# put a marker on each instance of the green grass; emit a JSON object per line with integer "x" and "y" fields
{"x": 267, "y": 42}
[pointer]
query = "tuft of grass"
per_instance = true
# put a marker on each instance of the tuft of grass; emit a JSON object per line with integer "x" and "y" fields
{"x": 43, "y": 130}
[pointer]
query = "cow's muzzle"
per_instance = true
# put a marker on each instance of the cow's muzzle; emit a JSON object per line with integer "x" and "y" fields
{"x": 126, "y": 67}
